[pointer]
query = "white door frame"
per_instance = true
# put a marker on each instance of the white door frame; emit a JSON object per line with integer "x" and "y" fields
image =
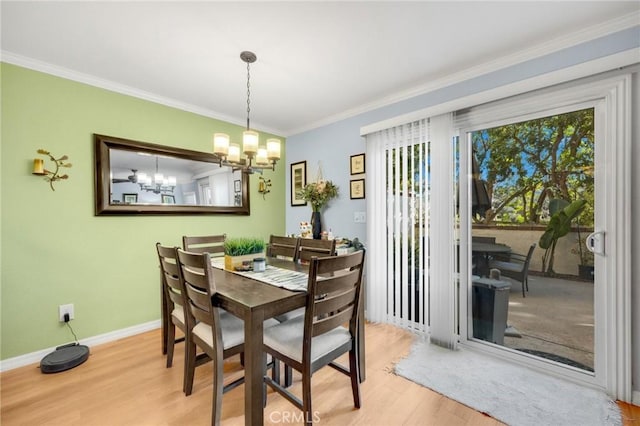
{"x": 611, "y": 98}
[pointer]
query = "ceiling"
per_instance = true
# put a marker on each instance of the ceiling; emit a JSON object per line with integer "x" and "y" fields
{"x": 317, "y": 61}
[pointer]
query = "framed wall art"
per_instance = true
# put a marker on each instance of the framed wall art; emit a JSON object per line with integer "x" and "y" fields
{"x": 357, "y": 164}
{"x": 298, "y": 182}
{"x": 356, "y": 190}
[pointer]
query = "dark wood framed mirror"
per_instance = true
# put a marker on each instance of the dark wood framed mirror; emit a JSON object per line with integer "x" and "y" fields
{"x": 133, "y": 177}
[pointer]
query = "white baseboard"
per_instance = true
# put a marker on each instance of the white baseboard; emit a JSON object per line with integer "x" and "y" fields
{"x": 35, "y": 357}
{"x": 635, "y": 397}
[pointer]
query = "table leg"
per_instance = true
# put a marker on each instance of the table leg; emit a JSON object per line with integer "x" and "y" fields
{"x": 254, "y": 361}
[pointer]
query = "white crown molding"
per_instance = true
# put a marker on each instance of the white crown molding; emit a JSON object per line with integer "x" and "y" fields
{"x": 591, "y": 33}
{"x": 584, "y": 69}
{"x": 47, "y": 68}
{"x": 36, "y": 357}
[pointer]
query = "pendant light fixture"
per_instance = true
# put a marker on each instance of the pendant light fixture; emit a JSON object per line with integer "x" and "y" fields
{"x": 256, "y": 158}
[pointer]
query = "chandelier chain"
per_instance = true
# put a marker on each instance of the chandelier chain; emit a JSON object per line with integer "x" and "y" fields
{"x": 248, "y": 94}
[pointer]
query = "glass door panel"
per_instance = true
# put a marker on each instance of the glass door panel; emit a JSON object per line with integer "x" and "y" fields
{"x": 532, "y": 206}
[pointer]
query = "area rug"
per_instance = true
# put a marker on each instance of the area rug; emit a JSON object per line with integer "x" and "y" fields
{"x": 512, "y": 394}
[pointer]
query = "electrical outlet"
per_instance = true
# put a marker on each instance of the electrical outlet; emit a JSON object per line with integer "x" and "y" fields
{"x": 65, "y": 309}
{"x": 360, "y": 217}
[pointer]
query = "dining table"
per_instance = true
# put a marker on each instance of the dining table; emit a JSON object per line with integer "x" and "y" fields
{"x": 251, "y": 299}
{"x": 484, "y": 252}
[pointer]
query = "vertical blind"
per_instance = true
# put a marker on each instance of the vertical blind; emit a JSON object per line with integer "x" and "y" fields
{"x": 410, "y": 228}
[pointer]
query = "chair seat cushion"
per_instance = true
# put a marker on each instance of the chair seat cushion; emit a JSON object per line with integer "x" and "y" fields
{"x": 232, "y": 330}
{"x": 178, "y": 314}
{"x": 507, "y": 266}
{"x": 286, "y": 338}
{"x": 290, "y": 315}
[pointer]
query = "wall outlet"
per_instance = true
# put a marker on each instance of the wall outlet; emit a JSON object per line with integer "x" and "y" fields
{"x": 360, "y": 217}
{"x": 65, "y": 309}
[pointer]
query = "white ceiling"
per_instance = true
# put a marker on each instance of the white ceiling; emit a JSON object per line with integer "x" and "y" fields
{"x": 317, "y": 61}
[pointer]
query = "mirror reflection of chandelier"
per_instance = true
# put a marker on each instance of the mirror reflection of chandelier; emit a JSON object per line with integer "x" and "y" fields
{"x": 258, "y": 158}
{"x": 159, "y": 184}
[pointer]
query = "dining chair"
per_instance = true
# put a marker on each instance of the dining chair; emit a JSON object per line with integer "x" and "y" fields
{"x": 316, "y": 339}
{"x": 516, "y": 267}
{"x": 215, "y": 331}
{"x": 172, "y": 293}
{"x": 212, "y": 244}
{"x": 286, "y": 247}
{"x": 309, "y": 248}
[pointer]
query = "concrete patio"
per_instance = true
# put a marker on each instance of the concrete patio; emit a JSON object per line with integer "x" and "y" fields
{"x": 556, "y": 317}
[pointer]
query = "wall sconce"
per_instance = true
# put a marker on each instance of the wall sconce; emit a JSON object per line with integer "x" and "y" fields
{"x": 263, "y": 186}
{"x": 38, "y": 168}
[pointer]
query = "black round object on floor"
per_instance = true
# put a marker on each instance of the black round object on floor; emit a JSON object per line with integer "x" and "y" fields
{"x": 64, "y": 358}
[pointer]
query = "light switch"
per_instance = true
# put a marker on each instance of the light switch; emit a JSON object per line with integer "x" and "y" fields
{"x": 360, "y": 217}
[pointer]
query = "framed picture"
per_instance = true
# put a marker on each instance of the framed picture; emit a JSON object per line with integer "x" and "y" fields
{"x": 168, "y": 199}
{"x": 129, "y": 198}
{"x": 357, "y": 164}
{"x": 236, "y": 185}
{"x": 356, "y": 191}
{"x": 298, "y": 182}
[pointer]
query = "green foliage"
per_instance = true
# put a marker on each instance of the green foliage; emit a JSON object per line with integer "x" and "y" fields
{"x": 319, "y": 194}
{"x": 526, "y": 164}
{"x": 243, "y": 246}
{"x": 560, "y": 225}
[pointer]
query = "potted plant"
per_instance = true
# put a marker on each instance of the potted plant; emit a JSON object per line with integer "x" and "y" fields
{"x": 318, "y": 194}
{"x": 586, "y": 265}
{"x": 239, "y": 250}
{"x": 562, "y": 214}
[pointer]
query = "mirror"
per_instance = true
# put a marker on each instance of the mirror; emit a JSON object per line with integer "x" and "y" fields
{"x": 134, "y": 177}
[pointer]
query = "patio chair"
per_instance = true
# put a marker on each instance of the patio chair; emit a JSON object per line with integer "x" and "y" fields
{"x": 517, "y": 267}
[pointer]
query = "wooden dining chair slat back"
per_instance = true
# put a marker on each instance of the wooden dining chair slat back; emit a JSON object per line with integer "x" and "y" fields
{"x": 283, "y": 246}
{"x": 320, "y": 248}
{"x": 216, "y": 332}
{"x": 212, "y": 244}
{"x": 172, "y": 292}
{"x": 311, "y": 342}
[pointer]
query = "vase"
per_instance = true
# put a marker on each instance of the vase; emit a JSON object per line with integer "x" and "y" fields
{"x": 316, "y": 226}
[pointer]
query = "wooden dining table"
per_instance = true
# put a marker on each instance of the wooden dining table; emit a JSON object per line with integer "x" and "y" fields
{"x": 254, "y": 301}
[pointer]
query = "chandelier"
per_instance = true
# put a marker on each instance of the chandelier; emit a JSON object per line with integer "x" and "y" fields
{"x": 159, "y": 184}
{"x": 258, "y": 158}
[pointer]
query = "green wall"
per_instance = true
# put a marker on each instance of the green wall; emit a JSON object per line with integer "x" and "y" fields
{"x": 54, "y": 250}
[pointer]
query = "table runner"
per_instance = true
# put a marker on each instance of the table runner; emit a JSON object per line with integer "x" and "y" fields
{"x": 279, "y": 277}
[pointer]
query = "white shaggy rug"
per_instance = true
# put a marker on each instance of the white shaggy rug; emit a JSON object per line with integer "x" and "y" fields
{"x": 512, "y": 394}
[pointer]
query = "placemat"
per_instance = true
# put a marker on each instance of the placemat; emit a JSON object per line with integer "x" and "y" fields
{"x": 279, "y": 277}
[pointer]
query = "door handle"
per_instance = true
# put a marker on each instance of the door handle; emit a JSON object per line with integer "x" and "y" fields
{"x": 595, "y": 242}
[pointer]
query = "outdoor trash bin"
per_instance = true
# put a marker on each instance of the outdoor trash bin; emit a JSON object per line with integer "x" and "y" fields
{"x": 490, "y": 306}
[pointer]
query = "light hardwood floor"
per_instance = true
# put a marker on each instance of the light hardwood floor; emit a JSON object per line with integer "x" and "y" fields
{"x": 126, "y": 383}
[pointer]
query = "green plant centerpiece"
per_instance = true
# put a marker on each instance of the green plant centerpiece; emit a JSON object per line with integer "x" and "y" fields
{"x": 318, "y": 194}
{"x": 239, "y": 250}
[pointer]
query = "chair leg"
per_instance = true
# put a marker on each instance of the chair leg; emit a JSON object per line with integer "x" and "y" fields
{"x": 306, "y": 398}
{"x": 217, "y": 392}
{"x": 171, "y": 343}
{"x": 354, "y": 369}
{"x": 523, "y": 285}
{"x": 190, "y": 367}
{"x": 288, "y": 376}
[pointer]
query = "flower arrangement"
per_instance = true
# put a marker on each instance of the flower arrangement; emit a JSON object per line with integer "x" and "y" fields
{"x": 319, "y": 194}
